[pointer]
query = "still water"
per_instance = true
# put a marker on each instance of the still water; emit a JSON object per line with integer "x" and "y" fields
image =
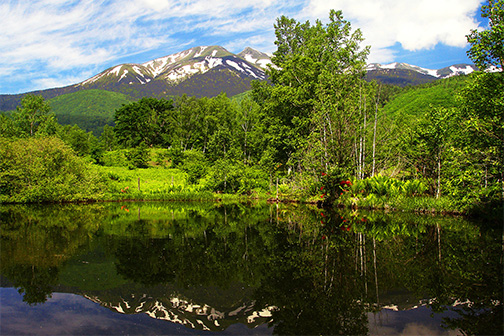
{"x": 205, "y": 268}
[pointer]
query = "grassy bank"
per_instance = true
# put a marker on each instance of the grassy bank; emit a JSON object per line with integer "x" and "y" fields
{"x": 167, "y": 184}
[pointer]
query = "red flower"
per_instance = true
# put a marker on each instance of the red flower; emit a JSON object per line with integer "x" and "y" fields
{"x": 321, "y": 222}
{"x": 323, "y": 237}
{"x": 322, "y": 195}
{"x": 324, "y": 174}
{"x": 322, "y": 188}
{"x": 322, "y": 214}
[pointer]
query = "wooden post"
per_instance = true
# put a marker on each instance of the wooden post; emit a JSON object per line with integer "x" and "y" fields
{"x": 139, "y": 184}
{"x": 277, "y": 188}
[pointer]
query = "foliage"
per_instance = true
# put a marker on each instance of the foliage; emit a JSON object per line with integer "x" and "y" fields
{"x": 138, "y": 156}
{"x": 487, "y": 47}
{"x": 231, "y": 176}
{"x": 45, "y": 170}
{"x": 33, "y": 115}
{"x": 108, "y": 138}
{"x": 412, "y": 102}
{"x": 147, "y": 120}
{"x": 91, "y": 110}
{"x": 195, "y": 165}
{"x": 309, "y": 111}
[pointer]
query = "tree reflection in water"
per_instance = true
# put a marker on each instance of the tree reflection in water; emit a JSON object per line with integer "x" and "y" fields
{"x": 317, "y": 273}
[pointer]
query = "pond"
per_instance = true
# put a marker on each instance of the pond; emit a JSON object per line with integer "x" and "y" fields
{"x": 259, "y": 269}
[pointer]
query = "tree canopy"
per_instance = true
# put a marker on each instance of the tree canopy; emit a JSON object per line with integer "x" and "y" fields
{"x": 487, "y": 46}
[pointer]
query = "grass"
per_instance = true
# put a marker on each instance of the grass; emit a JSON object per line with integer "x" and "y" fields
{"x": 157, "y": 183}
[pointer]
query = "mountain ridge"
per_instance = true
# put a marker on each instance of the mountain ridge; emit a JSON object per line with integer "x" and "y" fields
{"x": 209, "y": 70}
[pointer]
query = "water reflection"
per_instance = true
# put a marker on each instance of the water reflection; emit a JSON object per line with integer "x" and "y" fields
{"x": 293, "y": 269}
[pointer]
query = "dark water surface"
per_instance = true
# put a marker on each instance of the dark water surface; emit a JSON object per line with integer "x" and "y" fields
{"x": 205, "y": 268}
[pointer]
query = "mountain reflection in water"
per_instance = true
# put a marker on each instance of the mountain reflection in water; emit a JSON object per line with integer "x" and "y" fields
{"x": 169, "y": 268}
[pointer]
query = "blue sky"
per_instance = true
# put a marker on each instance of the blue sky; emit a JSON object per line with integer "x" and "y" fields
{"x": 53, "y": 43}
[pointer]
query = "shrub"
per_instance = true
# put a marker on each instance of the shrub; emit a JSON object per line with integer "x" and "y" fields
{"x": 45, "y": 169}
{"x": 194, "y": 164}
{"x": 235, "y": 177}
{"x": 138, "y": 156}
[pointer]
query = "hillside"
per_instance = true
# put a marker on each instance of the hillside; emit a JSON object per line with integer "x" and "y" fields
{"x": 89, "y": 109}
{"x": 416, "y": 101}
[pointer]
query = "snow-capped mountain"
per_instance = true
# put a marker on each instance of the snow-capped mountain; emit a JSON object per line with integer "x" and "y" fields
{"x": 405, "y": 74}
{"x": 454, "y": 70}
{"x": 176, "y": 68}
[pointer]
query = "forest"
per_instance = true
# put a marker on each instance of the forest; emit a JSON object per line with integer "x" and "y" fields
{"x": 316, "y": 132}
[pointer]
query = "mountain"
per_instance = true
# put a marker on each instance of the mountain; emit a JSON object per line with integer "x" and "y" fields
{"x": 403, "y": 74}
{"x": 200, "y": 71}
{"x": 258, "y": 58}
{"x": 168, "y": 71}
{"x": 210, "y": 70}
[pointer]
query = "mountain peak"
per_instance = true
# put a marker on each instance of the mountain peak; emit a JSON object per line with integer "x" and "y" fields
{"x": 255, "y": 57}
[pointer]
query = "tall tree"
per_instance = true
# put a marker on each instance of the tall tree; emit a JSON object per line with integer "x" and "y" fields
{"x": 311, "y": 110}
{"x": 483, "y": 98}
{"x": 487, "y": 46}
{"x": 33, "y": 112}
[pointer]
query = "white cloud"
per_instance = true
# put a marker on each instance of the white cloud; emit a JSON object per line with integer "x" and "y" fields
{"x": 415, "y": 24}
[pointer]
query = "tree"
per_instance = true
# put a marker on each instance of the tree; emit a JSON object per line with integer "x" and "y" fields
{"x": 312, "y": 112}
{"x": 33, "y": 112}
{"x": 247, "y": 118}
{"x": 487, "y": 47}
{"x": 483, "y": 98}
{"x": 434, "y": 138}
{"x": 108, "y": 138}
{"x": 147, "y": 120}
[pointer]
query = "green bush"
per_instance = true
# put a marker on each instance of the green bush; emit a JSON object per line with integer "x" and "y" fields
{"x": 194, "y": 164}
{"x": 138, "y": 157}
{"x": 235, "y": 177}
{"x": 116, "y": 158}
{"x": 45, "y": 170}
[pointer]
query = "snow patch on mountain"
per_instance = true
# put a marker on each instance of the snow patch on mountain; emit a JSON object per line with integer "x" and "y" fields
{"x": 116, "y": 70}
{"x": 200, "y": 52}
{"x": 461, "y": 71}
{"x": 235, "y": 65}
{"x": 212, "y": 61}
{"x": 123, "y": 75}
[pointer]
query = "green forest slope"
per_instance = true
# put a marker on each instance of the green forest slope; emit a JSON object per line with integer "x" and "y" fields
{"x": 418, "y": 100}
{"x": 89, "y": 109}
